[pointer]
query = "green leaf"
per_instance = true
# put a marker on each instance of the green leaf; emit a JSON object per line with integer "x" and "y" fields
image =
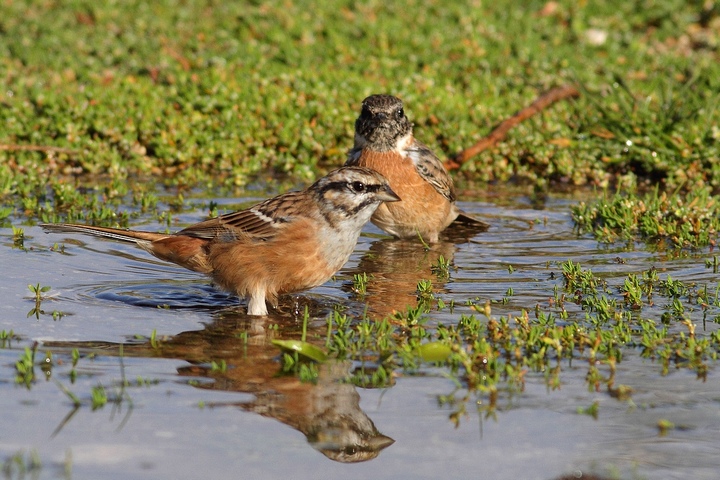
{"x": 434, "y": 352}
{"x": 305, "y": 349}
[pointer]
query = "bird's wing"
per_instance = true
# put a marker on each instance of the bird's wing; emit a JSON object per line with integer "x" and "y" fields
{"x": 353, "y": 158}
{"x": 260, "y": 222}
{"x": 431, "y": 169}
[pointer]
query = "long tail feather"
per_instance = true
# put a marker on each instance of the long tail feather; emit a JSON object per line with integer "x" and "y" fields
{"x": 182, "y": 250}
{"x": 132, "y": 236}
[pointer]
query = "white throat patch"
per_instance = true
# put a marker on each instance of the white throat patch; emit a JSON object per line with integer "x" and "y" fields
{"x": 402, "y": 144}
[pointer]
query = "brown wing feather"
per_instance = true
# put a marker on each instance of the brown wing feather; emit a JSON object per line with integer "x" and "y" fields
{"x": 260, "y": 222}
{"x": 430, "y": 168}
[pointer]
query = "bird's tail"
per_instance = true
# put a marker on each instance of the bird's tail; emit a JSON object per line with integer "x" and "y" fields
{"x": 464, "y": 227}
{"x": 132, "y": 236}
{"x": 182, "y": 250}
{"x": 471, "y": 222}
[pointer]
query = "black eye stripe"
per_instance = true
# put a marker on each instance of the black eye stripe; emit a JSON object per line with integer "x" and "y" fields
{"x": 350, "y": 211}
{"x": 339, "y": 186}
{"x": 353, "y": 211}
{"x": 370, "y": 188}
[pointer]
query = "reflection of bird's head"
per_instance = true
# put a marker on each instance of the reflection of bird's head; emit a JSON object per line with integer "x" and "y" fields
{"x": 338, "y": 427}
{"x": 345, "y": 444}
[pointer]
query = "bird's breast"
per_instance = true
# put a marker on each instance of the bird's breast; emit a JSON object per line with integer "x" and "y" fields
{"x": 402, "y": 175}
{"x": 421, "y": 209}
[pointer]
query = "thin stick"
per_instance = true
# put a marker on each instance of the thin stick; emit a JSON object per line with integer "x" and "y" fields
{"x": 499, "y": 132}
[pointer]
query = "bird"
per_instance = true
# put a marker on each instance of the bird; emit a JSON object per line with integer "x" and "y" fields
{"x": 384, "y": 142}
{"x": 292, "y": 242}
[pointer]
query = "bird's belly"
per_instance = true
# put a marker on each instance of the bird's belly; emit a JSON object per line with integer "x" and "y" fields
{"x": 287, "y": 264}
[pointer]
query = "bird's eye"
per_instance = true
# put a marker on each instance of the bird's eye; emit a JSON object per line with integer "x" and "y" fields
{"x": 400, "y": 113}
{"x": 365, "y": 112}
{"x": 357, "y": 187}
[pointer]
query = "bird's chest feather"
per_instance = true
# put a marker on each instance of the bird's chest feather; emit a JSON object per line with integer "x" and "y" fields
{"x": 402, "y": 175}
{"x": 416, "y": 194}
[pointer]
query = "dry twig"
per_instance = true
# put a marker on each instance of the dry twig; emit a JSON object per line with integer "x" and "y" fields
{"x": 499, "y": 132}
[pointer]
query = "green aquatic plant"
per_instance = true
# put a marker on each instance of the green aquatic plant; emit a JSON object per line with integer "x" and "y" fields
{"x": 360, "y": 282}
{"x": 425, "y": 292}
{"x": 441, "y": 268}
{"x": 101, "y": 394}
{"x": 37, "y": 292}
{"x": 667, "y": 220}
{"x": 25, "y": 367}
{"x": 593, "y": 410}
{"x": 304, "y": 349}
{"x": 98, "y": 397}
{"x": 580, "y": 281}
{"x": 21, "y": 465}
{"x": 6, "y": 337}
{"x": 487, "y": 354}
{"x": 299, "y": 356}
{"x": 18, "y": 235}
{"x": 218, "y": 367}
{"x": 664, "y": 426}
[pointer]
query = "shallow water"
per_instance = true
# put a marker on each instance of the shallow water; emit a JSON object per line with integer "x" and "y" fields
{"x": 180, "y": 419}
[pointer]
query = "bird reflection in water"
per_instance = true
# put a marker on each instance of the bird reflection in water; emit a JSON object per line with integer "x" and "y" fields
{"x": 395, "y": 266}
{"x": 328, "y": 413}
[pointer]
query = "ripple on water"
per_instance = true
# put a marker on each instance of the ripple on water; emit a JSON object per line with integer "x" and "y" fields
{"x": 168, "y": 294}
{"x": 195, "y": 295}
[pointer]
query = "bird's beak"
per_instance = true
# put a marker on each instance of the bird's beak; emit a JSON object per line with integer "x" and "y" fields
{"x": 380, "y": 441}
{"x": 387, "y": 195}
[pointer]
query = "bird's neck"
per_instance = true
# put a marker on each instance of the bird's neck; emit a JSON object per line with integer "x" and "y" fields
{"x": 399, "y": 145}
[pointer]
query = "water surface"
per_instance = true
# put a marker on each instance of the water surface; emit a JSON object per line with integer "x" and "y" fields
{"x": 180, "y": 419}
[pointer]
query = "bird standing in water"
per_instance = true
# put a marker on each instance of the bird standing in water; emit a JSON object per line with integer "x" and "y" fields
{"x": 384, "y": 142}
{"x": 292, "y": 242}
